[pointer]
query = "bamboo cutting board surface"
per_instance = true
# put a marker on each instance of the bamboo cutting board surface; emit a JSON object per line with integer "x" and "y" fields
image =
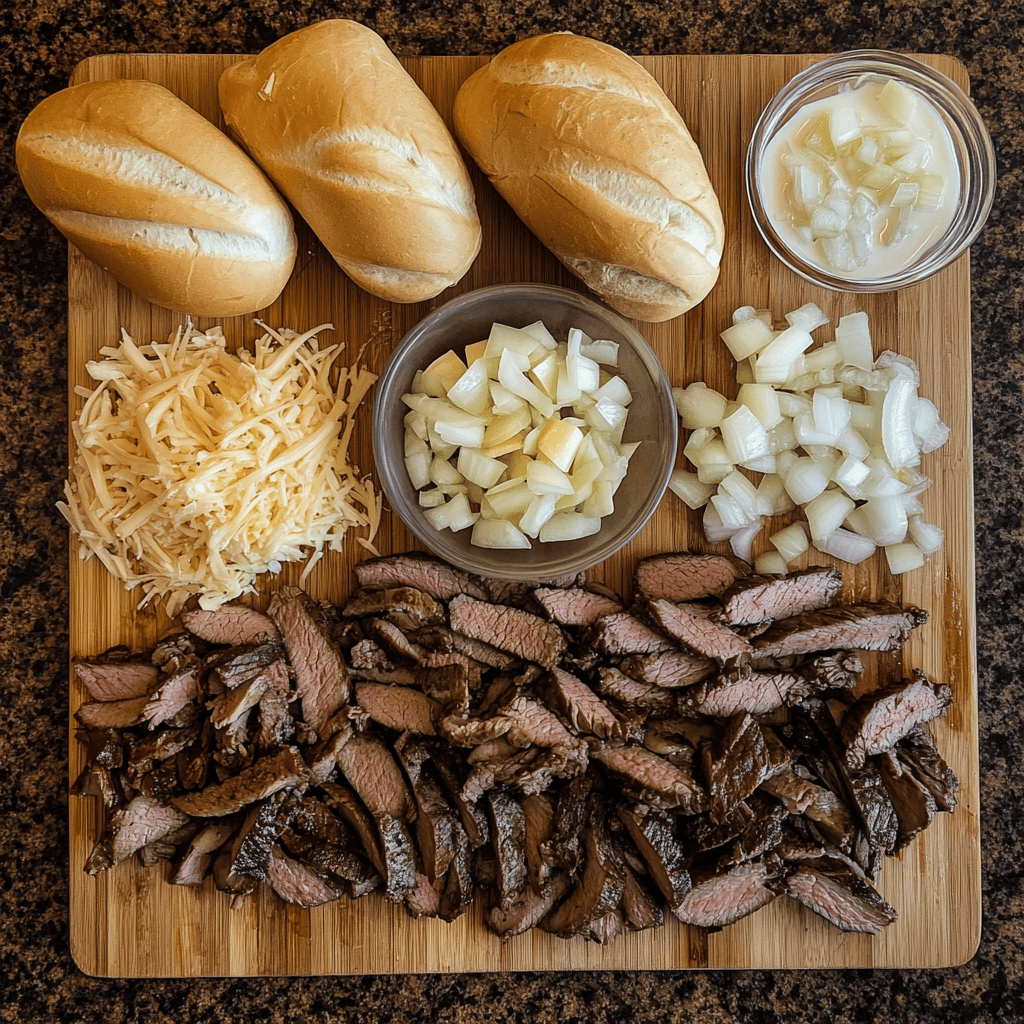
{"x": 128, "y": 922}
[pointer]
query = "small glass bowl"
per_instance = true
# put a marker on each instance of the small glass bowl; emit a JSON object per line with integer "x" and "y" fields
{"x": 974, "y": 152}
{"x": 652, "y": 420}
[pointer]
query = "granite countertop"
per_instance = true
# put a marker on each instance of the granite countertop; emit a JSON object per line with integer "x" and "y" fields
{"x": 42, "y": 41}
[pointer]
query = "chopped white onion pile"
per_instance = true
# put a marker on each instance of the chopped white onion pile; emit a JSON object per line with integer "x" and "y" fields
{"x": 854, "y": 185}
{"x": 521, "y": 439}
{"x": 830, "y": 429}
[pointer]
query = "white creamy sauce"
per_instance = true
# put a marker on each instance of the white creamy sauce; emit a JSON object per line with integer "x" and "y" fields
{"x": 859, "y": 185}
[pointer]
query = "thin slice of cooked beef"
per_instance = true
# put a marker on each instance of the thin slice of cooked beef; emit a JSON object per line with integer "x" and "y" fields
{"x": 116, "y": 678}
{"x": 471, "y": 732}
{"x": 744, "y": 690}
{"x": 406, "y": 607}
{"x": 653, "y": 779}
{"x": 399, "y": 707}
{"x": 283, "y": 770}
{"x": 448, "y": 685}
{"x": 762, "y": 834}
{"x": 459, "y": 885}
{"x": 720, "y": 898}
{"x": 156, "y": 747}
{"x": 575, "y": 606}
{"x": 450, "y": 772}
{"x": 229, "y": 706}
{"x": 529, "y": 909}
{"x": 670, "y": 669}
{"x": 841, "y": 895}
{"x": 421, "y": 571}
{"x": 632, "y": 693}
{"x": 297, "y": 883}
{"x": 520, "y": 594}
{"x": 508, "y": 840}
{"x": 264, "y": 822}
{"x": 580, "y": 707}
{"x": 514, "y": 630}
{"x": 655, "y": 839}
{"x": 639, "y": 908}
{"x": 112, "y": 714}
{"x": 239, "y": 886}
{"x": 682, "y": 576}
{"x": 140, "y": 822}
{"x": 917, "y": 753}
{"x": 370, "y": 768}
{"x": 882, "y": 717}
{"x": 321, "y": 677}
{"x": 735, "y": 764}
{"x": 768, "y": 598}
{"x": 838, "y": 670}
{"x": 562, "y": 849}
{"x": 608, "y": 927}
{"x": 173, "y": 692}
{"x": 801, "y": 796}
{"x": 319, "y": 839}
{"x": 391, "y": 638}
{"x": 539, "y": 817}
{"x": 436, "y": 820}
{"x": 483, "y": 652}
{"x": 233, "y": 666}
{"x": 528, "y": 770}
{"x": 195, "y": 862}
{"x": 694, "y": 628}
{"x": 599, "y": 890}
{"x": 230, "y": 624}
{"x": 622, "y": 633}
{"x": 913, "y": 804}
{"x": 534, "y": 725}
{"x": 103, "y": 782}
{"x": 472, "y": 670}
{"x": 880, "y": 626}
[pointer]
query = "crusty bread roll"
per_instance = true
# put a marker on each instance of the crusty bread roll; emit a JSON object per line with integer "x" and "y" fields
{"x": 154, "y": 193}
{"x": 589, "y": 151}
{"x": 346, "y": 134}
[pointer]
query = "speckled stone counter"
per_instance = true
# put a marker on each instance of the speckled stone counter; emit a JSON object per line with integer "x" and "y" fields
{"x": 40, "y": 43}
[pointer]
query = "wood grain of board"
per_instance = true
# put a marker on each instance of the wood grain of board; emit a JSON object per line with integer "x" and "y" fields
{"x": 128, "y": 922}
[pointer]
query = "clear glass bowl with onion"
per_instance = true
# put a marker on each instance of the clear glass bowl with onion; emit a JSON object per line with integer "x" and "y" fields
{"x": 651, "y": 421}
{"x": 860, "y": 185}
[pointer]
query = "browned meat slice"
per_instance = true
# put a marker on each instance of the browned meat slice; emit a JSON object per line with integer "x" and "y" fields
{"x": 157, "y": 747}
{"x": 882, "y": 717}
{"x": 639, "y": 907}
{"x": 399, "y": 707}
{"x": 623, "y": 633}
{"x": 175, "y": 691}
{"x": 763, "y": 598}
{"x": 632, "y": 693}
{"x": 671, "y": 669}
{"x": 283, "y": 770}
{"x": 578, "y": 705}
{"x": 371, "y": 770}
{"x": 881, "y": 626}
{"x": 736, "y": 764}
{"x": 575, "y": 606}
{"x": 321, "y": 678}
{"x": 528, "y": 770}
{"x": 718, "y": 899}
{"x": 682, "y": 576}
{"x": 837, "y": 670}
{"x": 400, "y": 675}
{"x": 448, "y": 685}
{"x": 508, "y": 840}
{"x": 240, "y": 886}
{"x": 652, "y": 778}
{"x": 539, "y": 819}
{"x": 231, "y": 705}
{"x": 391, "y": 638}
{"x": 914, "y": 805}
{"x": 264, "y": 822}
{"x": 801, "y": 796}
{"x": 529, "y": 909}
{"x": 917, "y": 754}
{"x": 534, "y": 725}
{"x": 276, "y": 727}
{"x": 608, "y": 927}
{"x": 656, "y": 842}
{"x": 407, "y": 607}
{"x": 230, "y": 624}
{"x": 116, "y": 678}
{"x": 744, "y": 690}
{"x": 839, "y": 894}
{"x": 519, "y": 632}
{"x": 140, "y": 822}
{"x": 599, "y": 891}
{"x": 520, "y": 594}
{"x": 296, "y": 883}
{"x": 233, "y": 666}
{"x": 483, "y": 652}
{"x": 197, "y": 859}
{"x": 421, "y": 571}
{"x": 112, "y": 714}
{"x": 693, "y": 627}
{"x": 762, "y": 834}
{"x": 449, "y": 770}
{"x": 320, "y": 840}
{"x": 472, "y": 670}
{"x": 471, "y": 732}
{"x": 562, "y": 849}
{"x": 436, "y": 820}
{"x": 459, "y": 884}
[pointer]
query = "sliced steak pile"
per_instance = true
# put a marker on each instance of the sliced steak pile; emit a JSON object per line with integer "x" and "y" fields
{"x": 583, "y": 763}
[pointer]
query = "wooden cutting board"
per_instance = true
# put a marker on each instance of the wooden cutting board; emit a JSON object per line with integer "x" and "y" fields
{"x": 129, "y": 923}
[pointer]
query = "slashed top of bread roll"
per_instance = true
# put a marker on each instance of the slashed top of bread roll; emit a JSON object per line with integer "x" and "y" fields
{"x": 349, "y": 137}
{"x": 589, "y": 151}
{"x": 150, "y": 190}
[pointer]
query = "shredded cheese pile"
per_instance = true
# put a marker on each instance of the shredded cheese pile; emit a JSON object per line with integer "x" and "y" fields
{"x": 197, "y": 469}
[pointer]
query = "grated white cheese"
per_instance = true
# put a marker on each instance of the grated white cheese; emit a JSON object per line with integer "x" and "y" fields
{"x": 197, "y": 469}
